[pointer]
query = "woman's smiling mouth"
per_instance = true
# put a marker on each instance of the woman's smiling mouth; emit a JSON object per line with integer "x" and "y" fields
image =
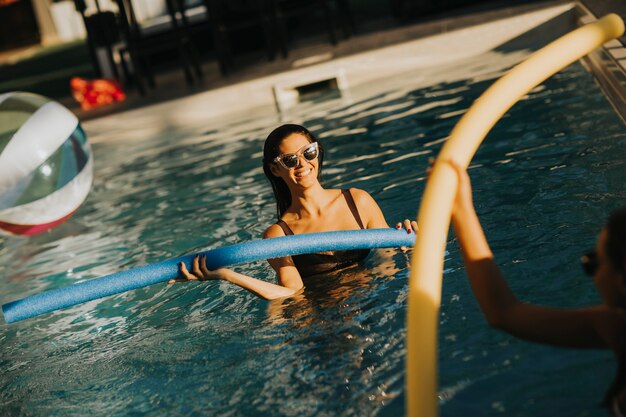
{"x": 303, "y": 173}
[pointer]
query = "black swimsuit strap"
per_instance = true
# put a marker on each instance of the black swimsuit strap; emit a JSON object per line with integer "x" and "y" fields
{"x": 355, "y": 212}
{"x": 351, "y": 204}
{"x": 285, "y": 227}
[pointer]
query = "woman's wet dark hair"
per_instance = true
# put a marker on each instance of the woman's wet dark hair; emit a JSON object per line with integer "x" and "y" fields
{"x": 270, "y": 151}
{"x": 616, "y": 240}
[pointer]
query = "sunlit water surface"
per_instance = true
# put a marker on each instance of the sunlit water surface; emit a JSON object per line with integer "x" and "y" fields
{"x": 544, "y": 181}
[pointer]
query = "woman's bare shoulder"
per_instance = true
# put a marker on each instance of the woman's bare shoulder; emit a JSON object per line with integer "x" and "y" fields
{"x": 273, "y": 230}
{"x": 371, "y": 214}
{"x": 361, "y": 196}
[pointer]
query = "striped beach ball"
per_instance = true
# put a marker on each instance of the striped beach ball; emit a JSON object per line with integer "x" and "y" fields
{"x": 46, "y": 165}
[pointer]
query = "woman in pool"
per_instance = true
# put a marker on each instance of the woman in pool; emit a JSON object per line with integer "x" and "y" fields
{"x": 600, "y": 326}
{"x": 292, "y": 162}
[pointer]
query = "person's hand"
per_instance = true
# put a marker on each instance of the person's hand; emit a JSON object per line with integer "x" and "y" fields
{"x": 409, "y": 226}
{"x": 463, "y": 198}
{"x": 199, "y": 271}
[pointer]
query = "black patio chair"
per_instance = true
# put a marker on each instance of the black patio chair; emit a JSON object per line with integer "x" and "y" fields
{"x": 102, "y": 32}
{"x": 286, "y": 10}
{"x": 142, "y": 46}
{"x": 230, "y": 19}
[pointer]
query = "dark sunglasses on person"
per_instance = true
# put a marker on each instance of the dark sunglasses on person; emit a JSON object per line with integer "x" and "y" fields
{"x": 589, "y": 262}
{"x": 290, "y": 160}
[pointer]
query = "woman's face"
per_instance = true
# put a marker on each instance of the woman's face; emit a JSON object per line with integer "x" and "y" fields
{"x": 304, "y": 174}
{"x": 610, "y": 283}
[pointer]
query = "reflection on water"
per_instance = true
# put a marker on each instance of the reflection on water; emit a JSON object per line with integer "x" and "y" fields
{"x": 544, "y": 180}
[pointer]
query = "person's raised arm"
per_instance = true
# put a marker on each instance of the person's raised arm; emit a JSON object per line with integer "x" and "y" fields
{"x": 576, "y": 328}
{"x": 490, "y": 288}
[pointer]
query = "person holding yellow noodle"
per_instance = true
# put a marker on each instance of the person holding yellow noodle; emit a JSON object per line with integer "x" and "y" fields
{"x": 599, "y": 326}
{"x": 435, "y": 208}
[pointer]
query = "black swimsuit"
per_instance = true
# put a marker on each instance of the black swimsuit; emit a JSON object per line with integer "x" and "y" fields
{"x": 317, "y": 263}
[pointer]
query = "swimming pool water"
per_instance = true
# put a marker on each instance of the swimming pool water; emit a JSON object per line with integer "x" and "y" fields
{"x": 544, "y": 181}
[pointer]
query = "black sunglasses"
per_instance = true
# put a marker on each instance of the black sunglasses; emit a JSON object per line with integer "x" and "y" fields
{"x": 291, "y": 160}
{"x": 589, "y": 262}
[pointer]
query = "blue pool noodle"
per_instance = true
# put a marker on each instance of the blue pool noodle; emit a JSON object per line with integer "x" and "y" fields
{"x": 215, "y": 258}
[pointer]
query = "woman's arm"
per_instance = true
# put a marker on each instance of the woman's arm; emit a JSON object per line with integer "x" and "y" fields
{"x": 575, "y": 328}
{"x": 288, "y": 276}
{"x": 200, "y": 272}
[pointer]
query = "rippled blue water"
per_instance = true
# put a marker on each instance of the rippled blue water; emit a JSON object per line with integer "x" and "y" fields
{"x": 544, "y": 181}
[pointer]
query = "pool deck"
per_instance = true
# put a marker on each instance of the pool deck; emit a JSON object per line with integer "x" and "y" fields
{"x": 417, "y": 60}
{"x": 313, "y": 51}
{"x": 314, "y": 59}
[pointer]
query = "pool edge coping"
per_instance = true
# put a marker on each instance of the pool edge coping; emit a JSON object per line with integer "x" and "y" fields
{"x": 607, "y": 64}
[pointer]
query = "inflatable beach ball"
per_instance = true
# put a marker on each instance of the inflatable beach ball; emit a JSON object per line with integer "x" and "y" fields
{"x": 46, "y": 165}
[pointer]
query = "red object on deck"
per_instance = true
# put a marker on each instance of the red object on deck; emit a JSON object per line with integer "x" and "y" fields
{"x": 94, "y": 93}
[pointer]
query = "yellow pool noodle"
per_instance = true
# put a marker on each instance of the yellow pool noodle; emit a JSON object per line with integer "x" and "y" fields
{"x": 434, "y": 212}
